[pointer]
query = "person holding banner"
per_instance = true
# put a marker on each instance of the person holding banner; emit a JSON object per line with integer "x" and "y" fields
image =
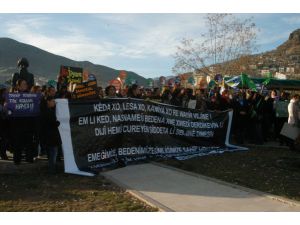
{"x": 22, "y": 121}
{"x": 3, "y": 127}
{"x": 134, "y": 92}
{"x": 177, "y": 97}
{"x": 201, "y": 101}
{"x": 50, "y": 126}
{"x": 166, "y": 96}
{"x": 110, "y": 91}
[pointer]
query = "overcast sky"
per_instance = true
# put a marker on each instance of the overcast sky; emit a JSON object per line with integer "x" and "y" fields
{"x": 143, "y": 43}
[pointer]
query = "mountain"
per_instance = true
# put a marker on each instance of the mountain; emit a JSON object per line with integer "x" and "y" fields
{"x": 284, "y": 59}
{"x": 46, "y": 65}
{"x": 291, "y": 46}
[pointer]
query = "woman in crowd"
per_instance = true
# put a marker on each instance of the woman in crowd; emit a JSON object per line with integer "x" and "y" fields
{"x": 110, "y": 91}
{"x": 22, "y": 131}
{"x": 50, "y": 128}
{"x": 177, "y": 97}
{"x": 134, "y": 92}
{"x": 166, "y": 96}
{"x": 201, "y": 101}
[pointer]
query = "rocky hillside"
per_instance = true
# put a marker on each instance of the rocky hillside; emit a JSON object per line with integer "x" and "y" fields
{"x": 46, "y": 65}
{"x": 284, "y": 59}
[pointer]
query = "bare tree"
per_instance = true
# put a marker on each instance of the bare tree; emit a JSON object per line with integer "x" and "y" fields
{"x": 226, "y": 40}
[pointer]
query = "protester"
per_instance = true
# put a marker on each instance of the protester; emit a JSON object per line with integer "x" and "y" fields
{"x": 110, "y": 91}
{"x": 3, "y": 126}
{"x": 36, "y": 136}
{"x": 186, "y": 97}
{"x": 166, "y": 96}
{"x": 22, "y": 131}
{"x": 280, "y": 119}
{"x": 268, "y": 116}
{"x": 50, "y": 128}
{"x": 100, "y": 93}
{"x": 242, "y": 117}
{"x": 256, "y": 118}
{"x": 36, "y": 89}
{"x": 134, "y": 92}
{"x": 201, "y": 101}
{"x": 177, "y": 97}
{"x": 225, "y": 101}
{"x": 293, "y": 109}
{"x": 23, "y": 74}
{"x": 122, "y": 93}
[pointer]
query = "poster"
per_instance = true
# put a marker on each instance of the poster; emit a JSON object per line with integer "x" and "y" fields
{"x": 281, "y": 109}
{"x": 70, "y": 74}
{"x": 23, "y": 104}
{"x": 87, "y": 90}
{"x": 99, "y": 134}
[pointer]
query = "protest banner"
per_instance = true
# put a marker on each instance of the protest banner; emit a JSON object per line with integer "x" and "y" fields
{"x": 98, "y": 134}
{"x": 71, "y": 74}
{"x": 87, "y": 90}
{"x": 22, "y": 104}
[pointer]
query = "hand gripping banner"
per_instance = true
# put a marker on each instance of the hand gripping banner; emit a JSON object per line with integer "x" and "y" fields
{"x": 100, "y": 134}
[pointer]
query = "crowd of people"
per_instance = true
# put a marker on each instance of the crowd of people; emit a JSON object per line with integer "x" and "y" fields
{"x": 254, "y": 114}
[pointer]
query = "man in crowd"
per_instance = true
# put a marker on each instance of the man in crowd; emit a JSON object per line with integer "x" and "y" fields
{"x": 23, "y": 74}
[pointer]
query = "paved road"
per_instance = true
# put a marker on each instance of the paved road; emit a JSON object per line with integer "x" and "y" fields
{"x": 175, "y": 190}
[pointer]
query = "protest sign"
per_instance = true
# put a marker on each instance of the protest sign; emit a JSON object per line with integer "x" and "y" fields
{"x": 281, "y": 109}
{"x": 23, "y": 104}
{"x": 86, "y": 90}
{"x": 98, "y": 134}
{"x": 71, "y": 74}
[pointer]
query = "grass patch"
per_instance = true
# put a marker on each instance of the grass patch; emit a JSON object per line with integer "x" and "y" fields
{"x": 273, "y": 171}
{"x": 29, "y": 187}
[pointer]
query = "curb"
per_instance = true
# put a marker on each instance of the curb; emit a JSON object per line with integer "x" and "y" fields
{"x": 236, "y": 186}
{"x": 138, "y": 195}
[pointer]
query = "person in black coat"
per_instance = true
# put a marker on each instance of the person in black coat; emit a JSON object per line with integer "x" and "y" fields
{"x": 3, "y": 127}
{"x": 22, "y": 131}
{"x": 50, "y": 130}
{"x": 23, "y": 64}
{"x": 134, "y": 92}
{"x": 242, "y": 107}
{"x": 177, "y": 97}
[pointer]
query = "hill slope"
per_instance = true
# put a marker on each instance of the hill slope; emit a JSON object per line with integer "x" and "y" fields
{"x": 46, "y": 64}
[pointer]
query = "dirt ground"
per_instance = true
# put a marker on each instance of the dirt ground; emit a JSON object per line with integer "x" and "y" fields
{"x": 29, "y": 187}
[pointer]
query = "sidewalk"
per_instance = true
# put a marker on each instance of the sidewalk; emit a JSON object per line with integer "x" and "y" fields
{"x": 174, "y": 190}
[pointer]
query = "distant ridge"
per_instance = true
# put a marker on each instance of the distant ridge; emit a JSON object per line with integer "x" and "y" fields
{"x": 45, "y": 64}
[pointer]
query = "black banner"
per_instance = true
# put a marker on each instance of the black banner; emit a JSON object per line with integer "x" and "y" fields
{"x": 112, "y": 130}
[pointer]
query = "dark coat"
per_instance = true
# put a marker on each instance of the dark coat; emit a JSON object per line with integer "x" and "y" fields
{"x": 25, "y": 75}
{"x": 49, "y": 128}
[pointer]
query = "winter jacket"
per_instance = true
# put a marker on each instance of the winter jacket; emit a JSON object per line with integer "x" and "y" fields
{"x": 49, "y": 127}
{"x": 25, "y": 75}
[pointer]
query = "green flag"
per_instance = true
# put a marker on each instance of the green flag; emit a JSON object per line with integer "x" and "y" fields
{"x": 247, "y": 82}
